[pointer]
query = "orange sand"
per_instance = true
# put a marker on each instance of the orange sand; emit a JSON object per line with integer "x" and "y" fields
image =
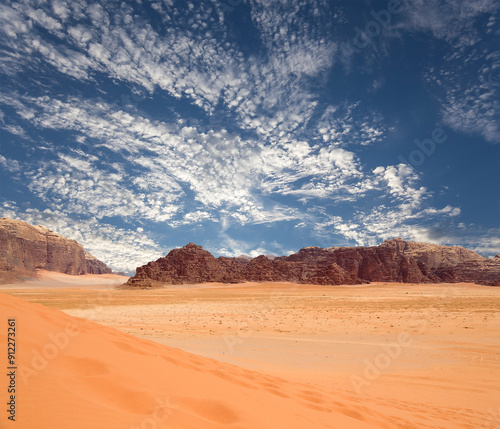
{"x": 53, "y": 279}
{"x": 308, "y": 357}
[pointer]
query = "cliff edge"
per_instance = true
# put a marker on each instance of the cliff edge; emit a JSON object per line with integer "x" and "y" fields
{"x": 25, "y": 248}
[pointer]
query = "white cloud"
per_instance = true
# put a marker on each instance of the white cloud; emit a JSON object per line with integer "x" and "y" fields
{"x": 167, "y": 167}
{"x": 399, "y": 180}
{"x": 9, "y": 165}
{"x": 84, "y": 188}
{"x": 370, "y": 228}
{"x": 470, "y": 104}
{"x": 346, "y": 125}
{"x": 218, "y": 168}
{"x": 16, "y": 130}
{"x": 475, "y": 110}
{"x": 487, "y": 243}
{"x": 293, "y": 152}
{"x": 12, "y": 22}
{"x": 450, "y": 20}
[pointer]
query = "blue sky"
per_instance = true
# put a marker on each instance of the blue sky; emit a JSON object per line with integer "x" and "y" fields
{"x": 251, "y": 127}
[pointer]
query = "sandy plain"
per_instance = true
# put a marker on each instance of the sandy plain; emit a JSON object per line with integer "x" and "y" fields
{"x": 254, "y": 355}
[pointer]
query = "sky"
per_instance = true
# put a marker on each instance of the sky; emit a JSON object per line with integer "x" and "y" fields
{"x": 251, "y": 126}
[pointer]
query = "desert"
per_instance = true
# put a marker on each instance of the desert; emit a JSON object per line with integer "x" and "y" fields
{"x": 249, "y": 214}
{"x": 255, "y": 355}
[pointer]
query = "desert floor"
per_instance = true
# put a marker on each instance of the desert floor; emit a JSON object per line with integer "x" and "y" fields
{"x": 374, "y": 356}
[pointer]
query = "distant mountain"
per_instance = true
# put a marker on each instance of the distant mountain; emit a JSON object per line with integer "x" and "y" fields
{"x": 24, "y": 248}
{"x": 394, "y": 260}
{"x": 94, "y": 266}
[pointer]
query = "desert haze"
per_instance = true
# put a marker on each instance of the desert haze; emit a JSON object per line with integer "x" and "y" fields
{"x": 253, "y": 355}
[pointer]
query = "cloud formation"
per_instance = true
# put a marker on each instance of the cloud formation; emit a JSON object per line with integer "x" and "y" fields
{"x": 122, "y": 249}
{"x": 168, "y": 115}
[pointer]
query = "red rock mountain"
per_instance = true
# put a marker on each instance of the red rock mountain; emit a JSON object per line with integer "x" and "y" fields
{"x": 24, "y": 248}
{"x": 393, "y": 261}
{"x": 450, "y": 264}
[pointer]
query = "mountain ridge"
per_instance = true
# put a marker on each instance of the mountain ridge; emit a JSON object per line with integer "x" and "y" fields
{"x": 394, "y": 260}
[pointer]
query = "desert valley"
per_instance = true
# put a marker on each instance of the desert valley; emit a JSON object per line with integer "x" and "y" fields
{"x": 249, "y": 214}
{"x": 279, "y": 345}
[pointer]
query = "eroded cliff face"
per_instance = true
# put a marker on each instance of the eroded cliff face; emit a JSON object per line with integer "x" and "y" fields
{"x": 94, "y": 266}
{"x": 368, "y": 264}
{"x": 393, "y": 261}
{"x": 28, "y": 248}
{"x": 193, "y": 264}
{"x": 450, "y": 264}
{"x": 433, "y": 255}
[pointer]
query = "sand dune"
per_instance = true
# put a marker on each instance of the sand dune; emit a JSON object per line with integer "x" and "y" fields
{"x": 78, "y": 374}
{"x": 296, "y": 351}
{"x": 54, "y": 279}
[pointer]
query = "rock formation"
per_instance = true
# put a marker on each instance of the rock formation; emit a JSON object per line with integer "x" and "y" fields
{"x": 372, "y": 264}
{"x": 193, "y": 264}
{"x": 433, "y": 255}
{"x": 393, "y": 261}
{"x": 24, "y": 248}
{"x": 450, "y": 264}
{"x": 94, "y": 266}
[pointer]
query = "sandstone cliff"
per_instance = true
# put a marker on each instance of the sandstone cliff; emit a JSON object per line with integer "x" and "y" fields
{"x": 372, "y": 264}
{"x": 433, "y": 255}
{"x": 25, "y": 248}
{"x": 450, "y": 263}
{"x": 393, "y": 261}
{"x": 193, "y": 264}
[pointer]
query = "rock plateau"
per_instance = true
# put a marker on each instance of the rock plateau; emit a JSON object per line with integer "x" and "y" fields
{"x": 394, "y": 260}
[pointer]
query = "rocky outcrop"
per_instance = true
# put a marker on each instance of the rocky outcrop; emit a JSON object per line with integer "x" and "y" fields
{"x": 193, "y": 264}
{"x": 450, "y": 264}
{"x": 372, "y": 264}
{"x": 393, "y": 261}
{"x": 433, "y": 255}
{"x": 94, "y": 266}
{"x": 485, "y": 272}
{"x": 26, "y": 248}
